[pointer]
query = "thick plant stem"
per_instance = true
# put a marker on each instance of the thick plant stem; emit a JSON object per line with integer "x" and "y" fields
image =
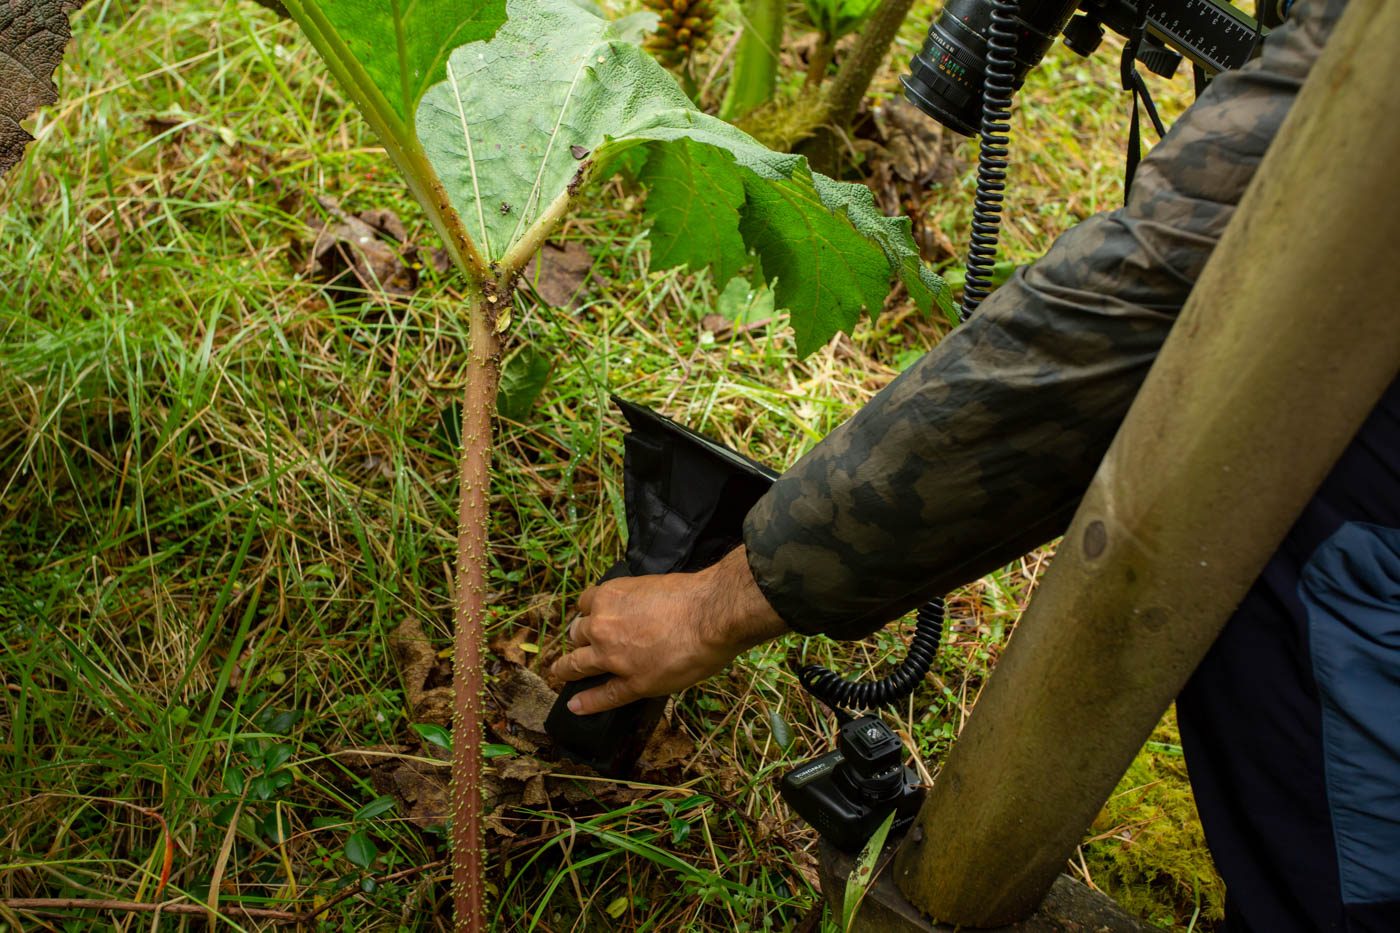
{"x": 821, "y": 60}
{"x": 755, "y": 71}
{"x": 858, "y": 70}
{"x": 852, "y": 80}
{"x": 473, "y": 519}
{"x": 473, "y": 527}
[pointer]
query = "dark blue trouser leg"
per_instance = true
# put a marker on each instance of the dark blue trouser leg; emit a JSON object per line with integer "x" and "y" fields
{"x": 1291, "y": 724}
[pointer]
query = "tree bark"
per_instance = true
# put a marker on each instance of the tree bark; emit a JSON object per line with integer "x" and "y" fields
{"x": 1288, "y": 340}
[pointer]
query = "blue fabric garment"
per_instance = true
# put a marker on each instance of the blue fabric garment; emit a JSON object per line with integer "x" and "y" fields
{"x": 1351, "y": 591}
{"x": 1259, "y": 747}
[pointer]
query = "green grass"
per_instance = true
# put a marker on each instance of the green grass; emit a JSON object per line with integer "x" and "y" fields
{"x": 222, "y": 488}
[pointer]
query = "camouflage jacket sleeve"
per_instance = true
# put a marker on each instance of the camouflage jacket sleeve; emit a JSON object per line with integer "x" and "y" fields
{"x": 983, "y": 448}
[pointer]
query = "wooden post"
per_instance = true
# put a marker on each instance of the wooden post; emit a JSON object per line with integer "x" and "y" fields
{"x": 1288, "y": 340}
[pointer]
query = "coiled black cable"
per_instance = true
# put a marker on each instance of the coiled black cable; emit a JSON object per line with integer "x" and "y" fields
{"x": 992, "y": 157}
{"x": 841, "y": 694}
{"x": 999, "y": 83}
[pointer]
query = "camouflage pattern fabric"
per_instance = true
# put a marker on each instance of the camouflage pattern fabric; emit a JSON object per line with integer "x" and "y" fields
{"x": 982, "y": 449}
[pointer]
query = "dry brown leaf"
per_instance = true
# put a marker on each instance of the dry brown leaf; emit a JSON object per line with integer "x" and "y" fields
{"x": 422, "y": 789}
{"x": 386, "y": 222}
{"x": 434, "y": 706}
{"x": 362, "y": 253}
{"x": 495, "y": 822}
{"x": 667, "y": 748}
{"x": 535, "y": 794}
{"x": 417, "y": 662}
{"x": 420, "y": 786}
{"x": 413, "y": 653}
{"x": 524, "y": 698}
{"x": 915, "y": 146}
{"x": 33, "y": 34}
{"x": 906, "y": 154}
{"x": 509, "y": 650}
{"x": 522, "y": 768}
{"x": 558, "y": 271}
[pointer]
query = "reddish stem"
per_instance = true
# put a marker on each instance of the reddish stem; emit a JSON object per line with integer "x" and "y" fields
{"x": 473, "y": 514}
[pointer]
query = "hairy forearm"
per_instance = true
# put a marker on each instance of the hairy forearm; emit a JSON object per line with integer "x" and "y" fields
{"x": 737, "y": 615}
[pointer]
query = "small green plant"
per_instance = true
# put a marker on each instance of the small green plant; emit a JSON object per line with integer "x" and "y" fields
{"x": 833, "y": 19}
{"x": 862, "y": 874}
{"x": 498, "y": 116}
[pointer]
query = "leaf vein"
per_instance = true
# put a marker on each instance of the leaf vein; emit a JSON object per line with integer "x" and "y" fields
{"x": 471, "y": 157}
{"x": 533, "y": 201}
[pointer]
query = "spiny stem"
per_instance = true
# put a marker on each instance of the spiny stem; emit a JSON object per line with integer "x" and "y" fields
{"x": 473, "y": 521}
{"x": 473, "y": 517}
{"x": 853, "y": 78}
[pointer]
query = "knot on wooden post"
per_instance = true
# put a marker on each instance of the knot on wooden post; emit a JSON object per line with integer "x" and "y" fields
{"x": 1095, "y": 539}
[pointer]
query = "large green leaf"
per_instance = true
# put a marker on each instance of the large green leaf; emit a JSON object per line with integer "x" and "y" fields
{"x": 384, "y": 54}
{"x": 508, "y": 129}
{"x": 694, "y": 209}
{"x": 518, "y": 118}
{"x": 399, "y": 46}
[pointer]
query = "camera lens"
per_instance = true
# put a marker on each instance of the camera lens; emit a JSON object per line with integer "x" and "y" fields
{"x": 946, "y": 78}
{"x": 947, "y": 73}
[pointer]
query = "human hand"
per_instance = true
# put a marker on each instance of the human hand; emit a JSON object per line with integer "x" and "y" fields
{"x": 660, "y": 634}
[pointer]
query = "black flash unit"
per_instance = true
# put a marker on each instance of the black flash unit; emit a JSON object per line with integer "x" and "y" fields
{"x": 845, "y": 795}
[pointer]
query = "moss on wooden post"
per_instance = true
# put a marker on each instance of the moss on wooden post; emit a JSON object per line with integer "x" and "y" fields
{"x": 1289, "y": 339}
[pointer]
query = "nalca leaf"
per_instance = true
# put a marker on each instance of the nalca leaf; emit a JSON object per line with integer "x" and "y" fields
{"x": 560, "y": 94}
